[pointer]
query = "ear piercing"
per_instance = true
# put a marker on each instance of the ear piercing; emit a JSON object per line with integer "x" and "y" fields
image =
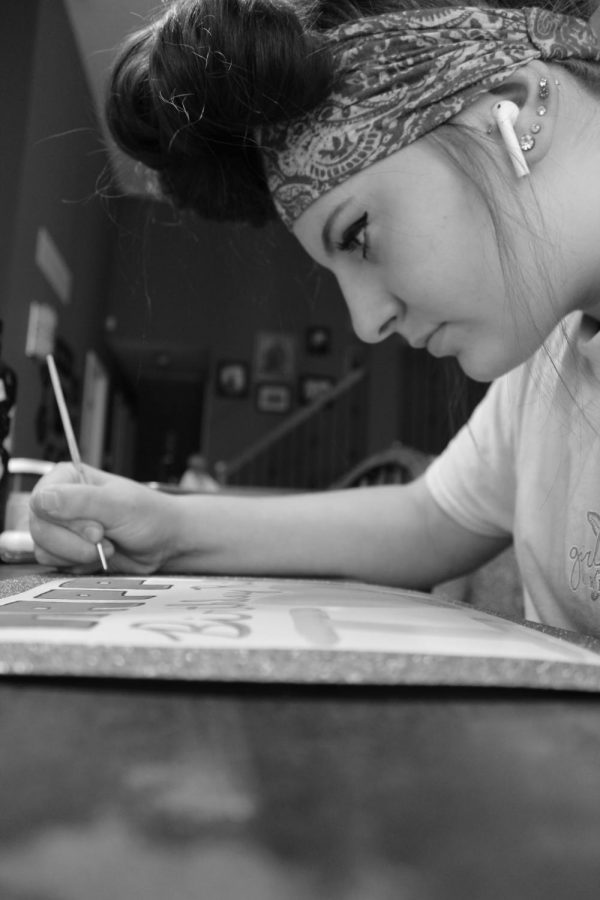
{"x": 543, "y": 89}
{"x": 505, "y": 114}
{"x": 527, "y": 140}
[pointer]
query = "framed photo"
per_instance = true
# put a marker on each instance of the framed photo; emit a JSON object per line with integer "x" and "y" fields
{"x": 232, "y": 378}
{"x": 312, "y": 386}
{"x": 274, "y": 357}
{"x": 318, "y": 340}
{"x": 273, "y": 398}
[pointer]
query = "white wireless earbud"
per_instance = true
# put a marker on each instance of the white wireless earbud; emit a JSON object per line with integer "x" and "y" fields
{"x": 505, "y": 114}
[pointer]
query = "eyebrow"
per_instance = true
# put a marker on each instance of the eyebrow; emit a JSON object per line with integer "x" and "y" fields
{"x": 328, "y": 226}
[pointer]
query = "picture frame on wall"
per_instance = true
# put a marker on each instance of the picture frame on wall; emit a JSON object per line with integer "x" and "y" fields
{"x": 232, "y": 378}
{"x": 318, "y": 340}
{"x": 273, "y": 398}
{"x": 312, "y": 386}
{"x": 274, "y": 357}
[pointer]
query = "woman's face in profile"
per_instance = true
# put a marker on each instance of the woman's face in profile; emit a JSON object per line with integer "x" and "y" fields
{"x": 413, "y": 247}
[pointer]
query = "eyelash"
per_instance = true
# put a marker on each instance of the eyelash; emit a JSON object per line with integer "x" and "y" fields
{"x": 351, "y": 236}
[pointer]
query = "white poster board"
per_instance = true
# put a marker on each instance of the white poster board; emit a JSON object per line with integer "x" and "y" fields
{"x": 286, "y": 630}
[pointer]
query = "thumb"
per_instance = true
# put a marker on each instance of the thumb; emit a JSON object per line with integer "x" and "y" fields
{"x": 71, "y": 501}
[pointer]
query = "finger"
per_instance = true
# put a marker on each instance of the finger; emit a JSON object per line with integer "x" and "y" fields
{"x": 47, "y": 559}
{"x": 58, "y": 562}
{"x": 66, "y": 473}
{"x": 88, "y": 529}
{"x": 73, "y": 502}
{"x": 63, "y": 545}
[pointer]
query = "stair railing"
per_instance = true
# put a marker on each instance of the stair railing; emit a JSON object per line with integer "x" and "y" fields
{"x": 312, "y": 447}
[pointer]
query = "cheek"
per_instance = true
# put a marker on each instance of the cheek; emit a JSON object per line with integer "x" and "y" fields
{"x": 449, "y": 249}
{"x": 451, "y": 268}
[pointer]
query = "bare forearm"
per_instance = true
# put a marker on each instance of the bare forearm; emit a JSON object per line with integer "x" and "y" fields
{"x": 301, "y": 534}
{"x": 374, "y": 534}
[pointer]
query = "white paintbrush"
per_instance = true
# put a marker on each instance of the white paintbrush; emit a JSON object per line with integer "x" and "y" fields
{"x": 70, "y": 436}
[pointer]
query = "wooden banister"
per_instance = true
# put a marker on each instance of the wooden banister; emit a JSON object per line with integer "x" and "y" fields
{"x": 332, "y": 425}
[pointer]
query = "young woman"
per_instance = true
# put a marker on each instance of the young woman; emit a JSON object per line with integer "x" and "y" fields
{"x": 444, "y": 163}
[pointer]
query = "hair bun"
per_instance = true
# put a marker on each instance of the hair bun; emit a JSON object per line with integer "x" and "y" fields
{"x": 188, "y": 92}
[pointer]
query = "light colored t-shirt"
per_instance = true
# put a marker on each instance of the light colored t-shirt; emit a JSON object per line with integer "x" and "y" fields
{"x": 528, "y": 464}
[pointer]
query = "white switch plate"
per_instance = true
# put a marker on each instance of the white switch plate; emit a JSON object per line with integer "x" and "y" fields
{"x": 41, "y": 329}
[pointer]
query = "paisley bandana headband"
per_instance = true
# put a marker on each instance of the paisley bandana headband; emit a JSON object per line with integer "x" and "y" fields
{"x": 400, "y": 76}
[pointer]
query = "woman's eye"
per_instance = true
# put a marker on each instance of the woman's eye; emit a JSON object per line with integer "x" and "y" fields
{"x": 355, "y": 236}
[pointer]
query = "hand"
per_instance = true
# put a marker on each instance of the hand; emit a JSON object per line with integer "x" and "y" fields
{"x": 67, "y": 518}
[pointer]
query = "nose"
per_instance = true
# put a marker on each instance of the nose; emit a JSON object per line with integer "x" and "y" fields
{"x": 375, "y": 313}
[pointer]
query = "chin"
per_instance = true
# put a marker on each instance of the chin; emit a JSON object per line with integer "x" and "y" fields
{"x": 488, "y": 359}
{"x": 483, "y": 370}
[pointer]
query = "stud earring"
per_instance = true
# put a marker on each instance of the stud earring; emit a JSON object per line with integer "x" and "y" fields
{"x": 535, "y": 127}
{"x": 527, "y": 142}
{"x": 543, "y": 89}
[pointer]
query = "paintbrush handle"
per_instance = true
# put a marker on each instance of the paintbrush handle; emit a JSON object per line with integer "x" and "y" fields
{"x": 70, "y": 435}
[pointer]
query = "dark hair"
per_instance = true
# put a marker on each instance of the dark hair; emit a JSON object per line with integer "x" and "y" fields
{"x": 188, "y": 91}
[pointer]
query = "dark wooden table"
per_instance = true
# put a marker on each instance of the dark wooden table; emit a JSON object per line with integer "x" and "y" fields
{"x": 119, "y": 790}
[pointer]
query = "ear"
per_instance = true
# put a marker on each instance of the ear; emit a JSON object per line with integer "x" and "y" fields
{"x": 534, "y": 89}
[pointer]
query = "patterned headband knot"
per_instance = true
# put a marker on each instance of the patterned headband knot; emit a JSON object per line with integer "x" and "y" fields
{"x": 400, "y": 75}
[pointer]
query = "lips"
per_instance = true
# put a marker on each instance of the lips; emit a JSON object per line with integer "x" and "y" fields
{"x": 435, "y": 341}
{"x": 421, "y": 342}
